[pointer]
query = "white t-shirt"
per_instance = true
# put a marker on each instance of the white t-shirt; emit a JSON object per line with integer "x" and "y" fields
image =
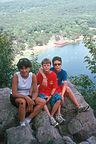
{"x": 24, "y": 85}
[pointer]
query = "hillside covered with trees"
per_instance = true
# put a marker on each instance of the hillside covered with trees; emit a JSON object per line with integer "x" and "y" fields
{"x": 33, "y": 22}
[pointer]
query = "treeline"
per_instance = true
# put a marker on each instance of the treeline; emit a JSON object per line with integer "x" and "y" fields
{"x": 85, "y": 85}
{"x": 33, "y": 22}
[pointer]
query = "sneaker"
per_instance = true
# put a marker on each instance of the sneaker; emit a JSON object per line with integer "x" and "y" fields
{"x": 60, "y": 119}
{"x": 27, "y": 120}
{"x": 22, "y": 123}
{"x": 53, "y": 122}
{"x": 83, "y": 108}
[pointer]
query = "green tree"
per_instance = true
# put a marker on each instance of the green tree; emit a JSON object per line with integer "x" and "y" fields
{"x": 87, "y": 88}
{"x": 91, "y": 60}
{"x": 6, "y": 59}
{"x": 84, "y": 85}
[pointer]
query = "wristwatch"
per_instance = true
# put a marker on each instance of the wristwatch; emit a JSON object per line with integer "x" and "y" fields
{"x": 51, "y": 95}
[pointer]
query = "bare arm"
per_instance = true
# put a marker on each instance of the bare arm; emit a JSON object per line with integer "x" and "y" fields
{"x": 14, "y": 87}
{"x": 34, "y": 87}
{"x": 14, "y": 90}
{"x": 63, "y": 89}
{"x": 52, "y": 92}
{"x": 44, "y": 82}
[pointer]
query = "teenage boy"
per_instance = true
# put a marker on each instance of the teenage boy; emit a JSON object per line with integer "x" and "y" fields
{"x": 62, "y": 83}
{"x": 49, "y": 92}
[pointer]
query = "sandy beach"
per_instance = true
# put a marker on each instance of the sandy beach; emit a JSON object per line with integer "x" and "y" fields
{"x": 39, "y": 49}
{"x": 52, "y": 43}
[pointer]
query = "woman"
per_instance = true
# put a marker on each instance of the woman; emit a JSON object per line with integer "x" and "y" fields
{"x": 24, "y": 89}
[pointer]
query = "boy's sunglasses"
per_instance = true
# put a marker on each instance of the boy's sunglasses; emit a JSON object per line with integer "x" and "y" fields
{"x": 57, "y": 64}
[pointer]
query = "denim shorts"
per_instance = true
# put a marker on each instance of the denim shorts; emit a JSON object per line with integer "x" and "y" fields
{"x": 54, "y": 98}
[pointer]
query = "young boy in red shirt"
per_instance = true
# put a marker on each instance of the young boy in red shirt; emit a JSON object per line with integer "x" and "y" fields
{"x": 50, "y": 92}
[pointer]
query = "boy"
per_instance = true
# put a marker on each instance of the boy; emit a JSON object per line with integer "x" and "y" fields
{"x": 62, "y": 83}
{"x": 50, "y": 91}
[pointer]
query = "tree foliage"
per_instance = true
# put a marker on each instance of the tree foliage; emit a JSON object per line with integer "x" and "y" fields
{"x": 91, "y": 60}
{"x": 84, "y": 85}
{"x": 87, "y": 88}
{"x": 6, "y": 59}
{"x": 29, "y": 18}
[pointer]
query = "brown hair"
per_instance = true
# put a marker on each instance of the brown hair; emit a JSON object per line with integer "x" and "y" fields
{"x": 56, "y": 58}
{"x": 24, "y": 62}
{"x": 46, "y": 61}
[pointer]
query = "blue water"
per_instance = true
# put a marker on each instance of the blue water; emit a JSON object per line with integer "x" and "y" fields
{"x": 72, "y": 58}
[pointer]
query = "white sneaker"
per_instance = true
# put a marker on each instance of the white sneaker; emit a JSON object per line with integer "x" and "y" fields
{"x": 83, "y": 108}
{"x": 22, "y": 123}
{"x": 60, "y": 119}
{"x": 53, "y": 122}
{"x": 27, "y": 120}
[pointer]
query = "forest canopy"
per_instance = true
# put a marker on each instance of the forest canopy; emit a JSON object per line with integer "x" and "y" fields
{"x": 30, "y": 19}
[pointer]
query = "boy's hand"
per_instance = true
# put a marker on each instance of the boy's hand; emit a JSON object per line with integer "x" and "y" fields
{"x": 62, "y": 102}
{"x": 48, "y": 98}
{"x": 44, "y": 82}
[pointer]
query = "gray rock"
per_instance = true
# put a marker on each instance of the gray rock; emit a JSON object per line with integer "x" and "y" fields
{"x": 59, "y": 141}
{"x": 84, "y": 142}
{"x": 20, "y": 135}
{"x": 68, "y": 140}
{"x": 8, "y": 113}
{"x": 45, "y": 132}
{"x": 92, "y": 140}
{"x": 83, "y": 126}
{"x": 80, "y": 126}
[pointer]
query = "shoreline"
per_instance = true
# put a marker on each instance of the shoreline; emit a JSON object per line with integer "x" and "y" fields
{"x": 54, "y": 43}
{"x": 40, "y": 49}
{"x": 49, "y": 45}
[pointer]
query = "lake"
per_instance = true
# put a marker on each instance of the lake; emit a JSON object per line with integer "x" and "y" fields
{"x": 72, "y": 58}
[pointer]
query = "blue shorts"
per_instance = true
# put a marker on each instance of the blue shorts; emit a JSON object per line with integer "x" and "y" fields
{"x": 54, "y": 98}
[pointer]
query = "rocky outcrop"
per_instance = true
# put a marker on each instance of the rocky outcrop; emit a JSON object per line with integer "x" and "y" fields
{"x": 8, "y": 113}
{"x": 79, "y": 127}
{"x": 20, "y": 135}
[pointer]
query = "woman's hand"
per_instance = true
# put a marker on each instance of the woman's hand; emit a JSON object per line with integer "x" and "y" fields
{"x": 30, "y": 103}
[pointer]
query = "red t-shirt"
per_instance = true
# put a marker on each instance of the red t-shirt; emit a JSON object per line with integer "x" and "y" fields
{"x": 51, "y": 83}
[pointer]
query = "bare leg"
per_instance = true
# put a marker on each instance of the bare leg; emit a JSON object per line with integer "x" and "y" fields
{"x": 72, "y": 97}
{"x": 21, "y": 111}
{"x": 40, "y": 104}
{"x": 55, "y": 107}
{"x": 59, "y": 110}
{"x": 46, "y": 109}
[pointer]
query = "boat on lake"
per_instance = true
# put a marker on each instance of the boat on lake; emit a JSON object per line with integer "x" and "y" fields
{"x": 61, "y": 43}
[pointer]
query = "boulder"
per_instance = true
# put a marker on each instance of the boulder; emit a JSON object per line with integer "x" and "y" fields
{"x": 78, "y": 126}
{"x": 83, "y": 125}
{"x": 20, "y": 135}
{"x": 68, "y": 140}
{"x": 91, "y": 140}
{"x": 45, "y": 132}
{"x": 8, "y": 113}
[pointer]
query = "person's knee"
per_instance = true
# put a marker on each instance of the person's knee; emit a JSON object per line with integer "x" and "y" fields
{"x": 40, "y": 101}
{"x": 68, "y": 89}
{"x": 58, "y": 102}
{"x": 21, "y": 102}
